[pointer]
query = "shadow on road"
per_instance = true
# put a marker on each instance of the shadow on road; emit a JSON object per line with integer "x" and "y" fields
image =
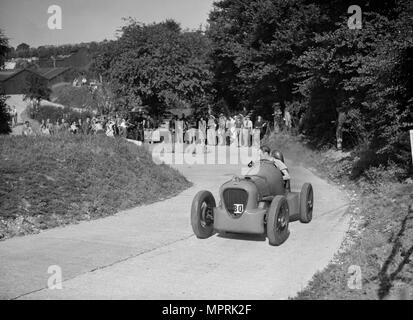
{"x": 243, "y": 237}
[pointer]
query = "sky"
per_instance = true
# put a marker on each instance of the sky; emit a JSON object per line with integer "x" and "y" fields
{"x": 91, "y": 20}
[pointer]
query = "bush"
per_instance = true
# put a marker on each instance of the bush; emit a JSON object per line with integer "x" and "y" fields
{"x": 4, "y": 117}
{"x": 74, "y": 97}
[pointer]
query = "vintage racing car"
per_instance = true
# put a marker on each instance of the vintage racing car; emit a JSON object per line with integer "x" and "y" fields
{"x": 257, "y": 203}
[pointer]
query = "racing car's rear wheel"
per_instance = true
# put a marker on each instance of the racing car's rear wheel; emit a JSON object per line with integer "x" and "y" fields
{"x": 277, "y": 221}
{"x": 202, "y": 214}
{"x": 306, "y": 203}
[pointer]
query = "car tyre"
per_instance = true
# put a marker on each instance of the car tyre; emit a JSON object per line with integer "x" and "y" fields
{"x": 277, "y": 221}
{"x": 202, "y": 218}
{"x": 306, "y": 203}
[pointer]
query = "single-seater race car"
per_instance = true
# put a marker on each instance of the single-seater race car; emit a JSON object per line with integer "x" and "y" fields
{"x": 257, "y": 203}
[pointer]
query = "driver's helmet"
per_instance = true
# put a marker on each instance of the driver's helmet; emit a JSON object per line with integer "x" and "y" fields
{"x": 277, "y": 155}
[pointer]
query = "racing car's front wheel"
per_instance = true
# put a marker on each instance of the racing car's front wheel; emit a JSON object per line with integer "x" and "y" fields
{"x": 202, "y": 214}
{"x": 277, "y": 221}
{"x": 306, "y": 203}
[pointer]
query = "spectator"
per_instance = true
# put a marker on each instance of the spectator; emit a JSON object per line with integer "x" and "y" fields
{"x": 116, "y": 126}
{"x": 277, "y": 116}
{"x": 221, "y": 129}
{"x": 64, "y": 127}
{"x": 246, "y": 131}
{"x": 110, "y": 128}
{"x": 42, "y": 124}
{"x": 98, "y": 127}
{"x": 172, "y": 128}
{"x": 27, "y": 129}
{"x": 191, "y": 133}
{"x": 14, "y": 116}
{"x": 211, "y": 132}
{"x": 148, "y": 129}
{"x": 86, "y": 126}
{"x": 185, "y": 121}
{"x": 238, "y": 128}
{"x": 287, "y": 120}
{"x": 50, "y": 126}
{"x": 73, "y": 128}
{"x": 230, "y": 127}
{"x": 339, "y": 131}
{"x": 79, "y": 126}
{"x": 258, "y": 132}
{"x": 123, "y": 128}
{"x": 56, "y": 127}
{"x": 179, "y": 130}
{"x": 202, "y": 129}
{"x": 44, "y": 128}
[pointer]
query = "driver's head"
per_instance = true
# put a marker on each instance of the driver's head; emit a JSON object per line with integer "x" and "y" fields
{"x": 277, "y": 155}
{"x": 265, "y": 152}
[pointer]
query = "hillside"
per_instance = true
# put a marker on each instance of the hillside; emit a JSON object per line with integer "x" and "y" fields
{"x": 47, "y": 182}
{"x": 380, "y": 239}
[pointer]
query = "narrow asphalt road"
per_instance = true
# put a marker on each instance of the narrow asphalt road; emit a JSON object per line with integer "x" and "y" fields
{"x": 150, "y": 252}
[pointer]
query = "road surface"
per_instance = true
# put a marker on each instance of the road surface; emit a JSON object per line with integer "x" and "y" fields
{"x": 150, "y": 252}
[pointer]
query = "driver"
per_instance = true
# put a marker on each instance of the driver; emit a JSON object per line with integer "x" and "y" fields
{"x": 265, "y": 154}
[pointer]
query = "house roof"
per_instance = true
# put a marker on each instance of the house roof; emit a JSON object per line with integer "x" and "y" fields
{"x": 8, "y": 74}
{"x": 51, "y": 73}
{"x": 47, "y": 73}
{"x": 5, "y": 74}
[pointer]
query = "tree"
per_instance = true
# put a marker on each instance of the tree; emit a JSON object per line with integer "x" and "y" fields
{"x": 37, "y": 90}
{"x": 157, "y": 64}
{"x": 4, "y": 116}
{"x": 23, "y": 47}
{"x": 301, "y": 53}
{"x": 254, "y": 44}
{"x": 4, "y": 48}
{"x": 367, "y": 72}
{"x": 23, "y": 50}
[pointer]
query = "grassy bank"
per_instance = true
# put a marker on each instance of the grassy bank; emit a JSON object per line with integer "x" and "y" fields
{"x": 380, "y": 239}
{"x": 47, "y": 182}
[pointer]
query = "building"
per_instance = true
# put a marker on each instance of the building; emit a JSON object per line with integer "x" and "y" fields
{"x": 9, "y": 65}
{"x": 56, "y": 75}
{"x": 17, "y": 81}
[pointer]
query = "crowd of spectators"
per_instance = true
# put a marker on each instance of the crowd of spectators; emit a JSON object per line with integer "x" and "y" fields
{"x": 110, "y": 126}
{"x": 235, "y": 129}
{"x": 213, "y": 130}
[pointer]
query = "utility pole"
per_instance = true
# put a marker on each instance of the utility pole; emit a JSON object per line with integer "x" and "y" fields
{"x": 411, "y": 142}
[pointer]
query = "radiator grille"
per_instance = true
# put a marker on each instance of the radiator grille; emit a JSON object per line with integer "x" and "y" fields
{"x": 233, "y": 198}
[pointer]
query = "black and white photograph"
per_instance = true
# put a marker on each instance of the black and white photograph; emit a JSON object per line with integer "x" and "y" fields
{"x": 206, "y": 155}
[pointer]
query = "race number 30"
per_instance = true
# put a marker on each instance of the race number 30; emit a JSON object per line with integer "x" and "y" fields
{"x": 238, "y": 208}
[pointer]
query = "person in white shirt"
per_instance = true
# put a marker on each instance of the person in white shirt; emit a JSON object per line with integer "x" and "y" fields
{"x": 179, "y": 131}
{"x": 27, "y": 129}
{"x": 221, "y": 129}
{"x": 14, "y": 116}
{"x": 287, "y": 120}
{"x": 123, "y": 128}
{"x": 202, "y": 129}
{"x": 211, "y": 133}
{"x": 246, "y": 131}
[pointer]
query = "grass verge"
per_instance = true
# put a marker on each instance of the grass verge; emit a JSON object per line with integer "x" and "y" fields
{"x": 47, "y": 182}
{"x": 378, "y": 249}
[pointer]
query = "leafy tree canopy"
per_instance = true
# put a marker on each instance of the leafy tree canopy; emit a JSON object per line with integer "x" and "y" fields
{"x": 157, "y": 65}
